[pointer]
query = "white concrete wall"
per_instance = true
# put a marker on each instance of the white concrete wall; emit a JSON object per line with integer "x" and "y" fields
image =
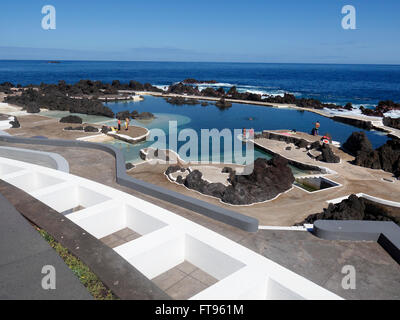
{"x": 167, "y": 238}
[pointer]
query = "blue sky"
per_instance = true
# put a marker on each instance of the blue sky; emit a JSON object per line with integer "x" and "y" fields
{"x": 306, "y": 31}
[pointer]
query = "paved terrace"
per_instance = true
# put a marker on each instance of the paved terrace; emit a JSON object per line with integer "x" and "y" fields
{"x": 24, "y": 253}
{"x": 378, "y": 276}
{"x": 36, "y": 125}
{"x": 295, "y": 205}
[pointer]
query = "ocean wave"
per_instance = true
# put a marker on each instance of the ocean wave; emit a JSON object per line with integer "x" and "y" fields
{"x": 393, "y": 114}
{"x": 357, "y": 112}
{"x": 162, "y": 86}
{"x": 270, "y": 91}
{"x": 261, "y": 90}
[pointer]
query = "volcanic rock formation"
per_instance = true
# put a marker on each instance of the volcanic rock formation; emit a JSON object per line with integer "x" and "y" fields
{"x": 386, "y": 157}
{"x": 268, "y": 179}
{"x": 355, "y": 208}
{"x": 71, "y": 119}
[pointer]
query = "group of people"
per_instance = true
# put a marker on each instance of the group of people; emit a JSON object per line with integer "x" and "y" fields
{"x": 127, "y": 121}
{"x": 126, "y": 124}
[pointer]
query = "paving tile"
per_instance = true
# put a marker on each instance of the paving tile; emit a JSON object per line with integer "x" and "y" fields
{"x": 110, "y": 239}
{"x": 117, "y": 243}
{"x": 187, "y": 267}
{"x": 203, "y": 277}
{"x": 124, "y": 233}
{"x": 169, "y": 278}
{"x": 186, "y": 288}
{"x": 131, "y": 237}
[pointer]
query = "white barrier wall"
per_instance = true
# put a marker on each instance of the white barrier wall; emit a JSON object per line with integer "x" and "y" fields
{"x": 167, "y": 239}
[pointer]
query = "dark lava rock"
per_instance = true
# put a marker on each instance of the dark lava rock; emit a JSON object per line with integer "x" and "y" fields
{"x": 172, "y": 169}
{"x": 315, "y": 145}
{"x": 194, "y": 181}
{"x": 368, "y": 159}
{"x": 389, "y": 155}
{"x": 15, "y": 123}
{"x": 355, "y": 208}
{"x": 6, "y": 87}
{"x": 216, "y": 190}
{"x": 91, "y": 129}
{"x": 122, "y": 115}
{"x": 145, "y": 116}
{"x": 349, "y": 209}
{"x": 381, "y": 108}
{"x": 327, "y": 155}
{"x": 386, "y": 157}
{"x": 32, "y": 107}
{"x": 179, "y": 180}
{"x": 223, "y": 104}
{"x": 348, "y": 106}
{"x": 288, "y": 148}
{"x": 74, "y": 129}
{"x": 71, "y": 119}
{"x": 211, "y": 92}
{"x": 129, "y": 166}
{"x": 90, "y": 107}
{"x": 267, "y": 180}
{"x": 180, "y": 101}
{"x": 181, "y": 88}
{"x": 194, "y": 81}
{"x": 105, "y": 129}
{"x": 302, "y": 143}
{"x": 358, "y": 141}
{"x": 134, "y": 114}
{"x": 227, "y": 170}
{"x": 392, "y": 122}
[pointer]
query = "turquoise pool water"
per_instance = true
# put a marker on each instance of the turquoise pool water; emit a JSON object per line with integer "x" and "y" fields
{"x": 237, "y": 117}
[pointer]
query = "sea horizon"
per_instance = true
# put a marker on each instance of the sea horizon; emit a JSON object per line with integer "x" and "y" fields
{"x": 206, "y": 62}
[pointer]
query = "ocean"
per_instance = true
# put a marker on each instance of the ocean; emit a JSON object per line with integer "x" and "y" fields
{"x": 359, "y": 84}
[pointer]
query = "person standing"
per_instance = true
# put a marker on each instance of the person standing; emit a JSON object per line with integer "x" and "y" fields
{"x": 316, "y": 129}
{"x": 126, "y": 124}
{"x": 119, "y": 124}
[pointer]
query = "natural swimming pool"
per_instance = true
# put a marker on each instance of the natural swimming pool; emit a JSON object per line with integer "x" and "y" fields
{"x": 238, "y": 116}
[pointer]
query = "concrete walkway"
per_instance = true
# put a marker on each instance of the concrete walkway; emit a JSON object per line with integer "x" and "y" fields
{"x": 23, "y": 253}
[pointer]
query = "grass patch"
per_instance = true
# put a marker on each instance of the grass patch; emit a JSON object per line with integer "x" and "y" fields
{"x": 92, "y": 283}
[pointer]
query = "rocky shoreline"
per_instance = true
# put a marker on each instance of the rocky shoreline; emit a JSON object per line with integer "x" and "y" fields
{"x": 83, "y": 97}
{"x": 190, "y": 87}
{"x": 57, "y": 97}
